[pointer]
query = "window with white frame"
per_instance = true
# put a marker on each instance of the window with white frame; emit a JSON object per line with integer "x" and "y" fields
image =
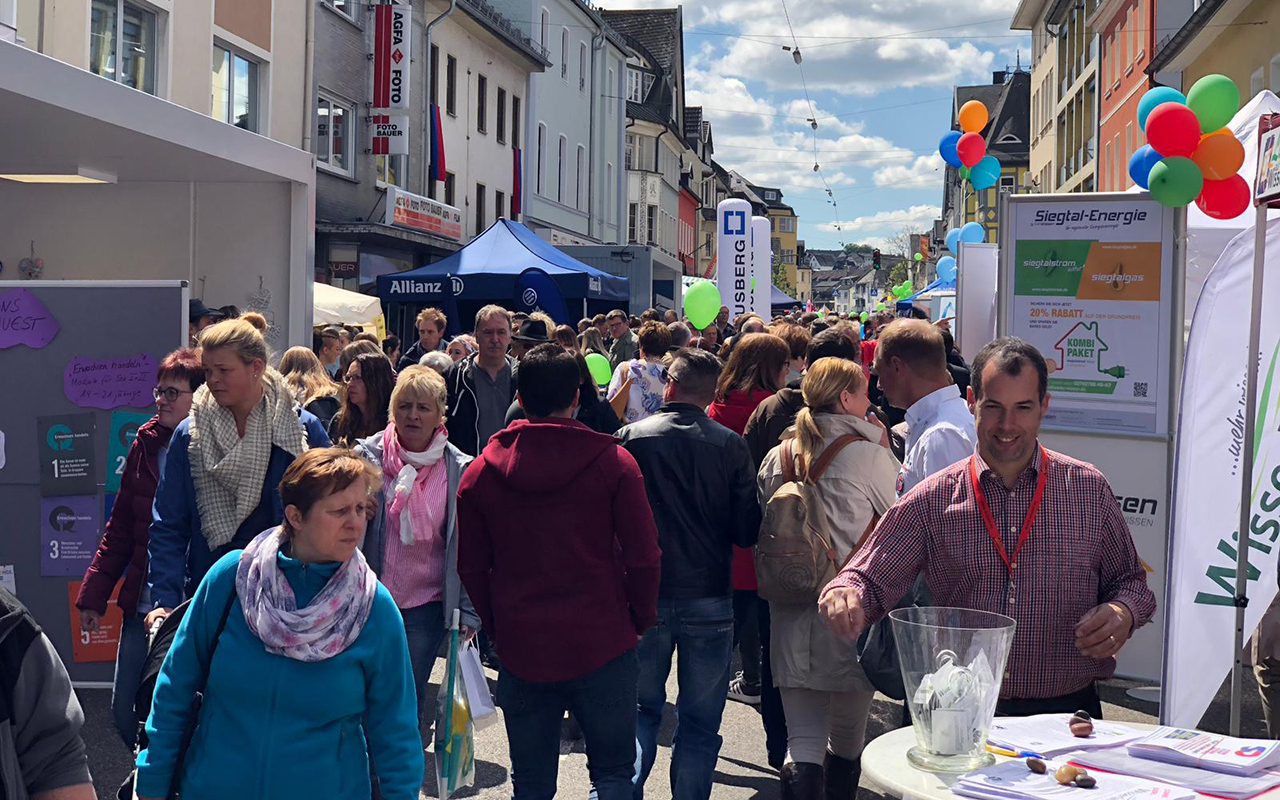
{"x": 787, "y": 224}
{"x": 562, "y": 175}
{"x": 629, "y": 156}
{"x": 633, "y": 86}
{"x": 544, "y": 29}
{"x": 235, "y": 88}
{"x": 582, "y": 66}
{"x": 608, "y": 192}
{"x": 651, "y": 218}
{"x": 633, "y": 212}
{"x": 390, "y": 169}
{"x": 334, "y": 121}
{"x": 580, "y": 179}
{"x": 609, "y": 93}
{"x": 564, "y": 53}
{"x": 502, "y": 116}
{"x": 347, "y": 8}
{"x": 542, "y": 159}
{"x": 123, "y": 43}
{"x": 482, "y": 103}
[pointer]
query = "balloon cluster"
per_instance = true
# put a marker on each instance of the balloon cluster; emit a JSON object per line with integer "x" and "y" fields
{"x": 1190, "y": 155}
{"x": 902, "y": 290}
{"x": 966, "y": 149}
{"x": 971, "y": 233}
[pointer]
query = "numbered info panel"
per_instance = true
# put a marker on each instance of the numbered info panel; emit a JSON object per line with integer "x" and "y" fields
{"x": 1091, "y": 288}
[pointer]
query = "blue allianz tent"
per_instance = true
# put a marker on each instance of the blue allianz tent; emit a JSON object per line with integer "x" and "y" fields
{"x": 487, "y": 270}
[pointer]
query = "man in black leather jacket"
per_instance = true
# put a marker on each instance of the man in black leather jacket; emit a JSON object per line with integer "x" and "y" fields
{"x": 702, "y": 489}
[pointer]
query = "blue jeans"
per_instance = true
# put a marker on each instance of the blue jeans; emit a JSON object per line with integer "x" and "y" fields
{"x": 604, "y": 703}
{"x": 130, "y": 657}
{"x": 424, "y": 628}
{"x": 700, "y": 632}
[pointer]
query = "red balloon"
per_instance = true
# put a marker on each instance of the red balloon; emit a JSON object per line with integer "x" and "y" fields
{"x": 1173, "y": 130}
{"x": 972, "y": 147}
{"x": 1224, "y": 199}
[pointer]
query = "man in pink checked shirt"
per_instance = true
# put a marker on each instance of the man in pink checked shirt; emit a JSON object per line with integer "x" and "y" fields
{"x": 1018, "y": 530}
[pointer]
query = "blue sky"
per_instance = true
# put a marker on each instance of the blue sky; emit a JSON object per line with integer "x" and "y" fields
{"x": 878, "y": 76}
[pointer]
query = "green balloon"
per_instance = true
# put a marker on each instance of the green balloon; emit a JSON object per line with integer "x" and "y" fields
{"x": 919, "y": 257}
{"x": 1175, "y": 182}
{"x": 964, "y": 173}
{"x": 1215, "y": 100}
{"x": 702, "y": 303}
{"x": 880, "y": 306}
{"x": 598, "y": 365}
{"x": 864, "y": 317}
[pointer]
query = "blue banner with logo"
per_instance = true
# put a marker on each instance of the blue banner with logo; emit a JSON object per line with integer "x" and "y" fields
{"x": 536, "y": 291}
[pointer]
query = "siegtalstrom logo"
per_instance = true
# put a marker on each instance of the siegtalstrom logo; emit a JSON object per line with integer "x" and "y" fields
{"x": 735, "y": 223}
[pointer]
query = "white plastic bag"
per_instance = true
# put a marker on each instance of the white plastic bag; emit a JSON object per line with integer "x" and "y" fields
{"x": 483, "y": 711}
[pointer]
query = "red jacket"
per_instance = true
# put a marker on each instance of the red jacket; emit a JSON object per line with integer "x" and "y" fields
{"x": 557, "y": 548}
{"x": 733, "y": 413}
{"x": 124, "y": 543}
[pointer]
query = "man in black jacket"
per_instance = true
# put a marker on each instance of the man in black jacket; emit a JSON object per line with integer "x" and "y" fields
{"x": 431, "y": 323}
{"x": 702, "y": 489}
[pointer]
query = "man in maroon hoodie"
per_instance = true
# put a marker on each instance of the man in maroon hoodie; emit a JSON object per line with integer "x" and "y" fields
{"x": 558, "y": 551}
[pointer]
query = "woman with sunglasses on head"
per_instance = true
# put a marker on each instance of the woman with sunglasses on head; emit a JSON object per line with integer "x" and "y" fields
{"x": 123, "y": 549}
{"x": 369, "y": 383}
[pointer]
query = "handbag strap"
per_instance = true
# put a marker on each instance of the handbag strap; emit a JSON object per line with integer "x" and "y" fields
{"x": 175, "y": 781}
{"x": 788, "y": 460}
{"x": 829, "y": 454}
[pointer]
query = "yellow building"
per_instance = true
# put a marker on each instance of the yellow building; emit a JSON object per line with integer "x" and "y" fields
{"x": 1032, "y": 15}
{"x": 1228, "y": 37}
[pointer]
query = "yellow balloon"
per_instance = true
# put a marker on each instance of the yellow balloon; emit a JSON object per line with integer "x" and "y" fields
{"x": 973, "y": 116}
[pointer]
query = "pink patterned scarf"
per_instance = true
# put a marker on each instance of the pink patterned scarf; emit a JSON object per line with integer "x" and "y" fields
{"x": 322, "y": 630}
{"x": 416, "y": 486}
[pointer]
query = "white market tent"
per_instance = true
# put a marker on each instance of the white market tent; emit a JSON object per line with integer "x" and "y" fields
{"x": 185, "y": 197}
{"x": 334, "y": 306}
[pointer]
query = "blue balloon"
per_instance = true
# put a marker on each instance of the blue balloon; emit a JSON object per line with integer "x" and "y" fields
{"x": 953, "y": 240}
{"x": 1153, "y": 98}
{"x": 1141, "y": 162}
{"x": 985, "y": 173}
{"x": 973, "y": 233}
{"x": 947, "y": 148}
{"x": 946, "y": 268}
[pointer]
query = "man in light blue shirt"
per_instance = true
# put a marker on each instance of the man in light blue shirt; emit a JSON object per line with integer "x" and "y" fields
{"x": 911, "y": 362}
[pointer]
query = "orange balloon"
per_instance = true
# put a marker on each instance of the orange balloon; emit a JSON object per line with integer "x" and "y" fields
{"x": 973, "y": 116}
{"x": 1219, "y": 155}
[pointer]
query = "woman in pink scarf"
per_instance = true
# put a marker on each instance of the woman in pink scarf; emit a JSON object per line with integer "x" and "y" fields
{"x": 411, "y": 541}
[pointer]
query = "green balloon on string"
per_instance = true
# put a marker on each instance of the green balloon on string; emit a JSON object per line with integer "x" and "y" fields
{"x": 598, "y": 366}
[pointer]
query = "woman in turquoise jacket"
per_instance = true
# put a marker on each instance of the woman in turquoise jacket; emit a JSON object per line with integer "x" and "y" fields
{"x": 310, "y": 681}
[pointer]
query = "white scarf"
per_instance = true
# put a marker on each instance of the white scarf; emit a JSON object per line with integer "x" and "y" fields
{"x": 228, "y": 470}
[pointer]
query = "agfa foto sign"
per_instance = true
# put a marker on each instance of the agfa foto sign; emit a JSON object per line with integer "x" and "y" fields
{"x": 390, "y": 135}
{"x": 733, "y": 255}
{"x": 391, "y": 34}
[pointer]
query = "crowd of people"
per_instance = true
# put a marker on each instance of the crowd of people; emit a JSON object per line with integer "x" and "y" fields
{"x": 316, "y": 527}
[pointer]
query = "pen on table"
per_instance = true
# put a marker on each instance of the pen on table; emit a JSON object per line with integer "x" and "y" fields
{"x": 1004, "y": 751}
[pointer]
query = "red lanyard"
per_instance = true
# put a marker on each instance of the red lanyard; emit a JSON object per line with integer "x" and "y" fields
{"x": 989, "y": 519}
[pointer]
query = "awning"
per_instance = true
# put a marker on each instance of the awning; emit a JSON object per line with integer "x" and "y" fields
{"x": 334, "y": 306}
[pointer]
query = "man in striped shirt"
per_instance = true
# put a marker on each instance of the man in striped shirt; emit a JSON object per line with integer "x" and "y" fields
{"x": 1017, "y": 530}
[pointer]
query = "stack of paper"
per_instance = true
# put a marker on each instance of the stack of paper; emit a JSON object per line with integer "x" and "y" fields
{"x": 1011, "y": 780}
{"x": 1236, "y": 787}
{"x": 1050, "y": 734}
{"x": 1209, "y": 751}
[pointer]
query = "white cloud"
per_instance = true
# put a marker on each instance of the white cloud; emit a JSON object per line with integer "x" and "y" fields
{"x": 913, "y": 176}
{"x": 886, "y": 223}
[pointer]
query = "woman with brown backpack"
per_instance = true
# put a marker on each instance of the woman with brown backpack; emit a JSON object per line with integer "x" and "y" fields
{"x": 839, "y": 462}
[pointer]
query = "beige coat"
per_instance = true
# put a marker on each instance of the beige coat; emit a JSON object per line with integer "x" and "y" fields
{"x": 859, "y": 483}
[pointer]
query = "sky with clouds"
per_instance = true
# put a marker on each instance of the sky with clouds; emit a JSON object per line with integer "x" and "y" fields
{"x": 877, "y": 76}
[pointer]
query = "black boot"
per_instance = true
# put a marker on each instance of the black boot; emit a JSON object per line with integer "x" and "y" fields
{"x": 802, "y": 781}
{"x": 842, "y": 777}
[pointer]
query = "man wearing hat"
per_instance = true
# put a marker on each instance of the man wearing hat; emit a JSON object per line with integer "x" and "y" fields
{"x": 199, "y": 317}
{"x": 533, "y": 331}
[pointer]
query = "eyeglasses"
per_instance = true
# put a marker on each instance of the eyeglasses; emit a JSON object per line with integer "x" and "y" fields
{"x": 352, "y": 379}
{"x": 170, "y": 394}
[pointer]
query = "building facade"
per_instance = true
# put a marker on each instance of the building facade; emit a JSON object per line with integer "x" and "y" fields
{"x": 1077, "y": 108}
{"x": 243, "y": 62}
{"x": 1126, "y": 37}
{"x": 1007, "y": 99}
{"x": 1031, "y": 15}
{"x": 1227, "y": 37}
{"x": 573, "y": 164}
{"x": 480, "y": 68}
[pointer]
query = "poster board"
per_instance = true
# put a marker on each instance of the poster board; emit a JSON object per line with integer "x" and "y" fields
{"x": 977, "y": 279}
{"x": 110, "y": 335}
{"x": 1095, "y": 281}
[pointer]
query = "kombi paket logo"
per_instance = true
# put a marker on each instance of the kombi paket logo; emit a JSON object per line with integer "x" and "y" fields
{"x": 735, "y": 222}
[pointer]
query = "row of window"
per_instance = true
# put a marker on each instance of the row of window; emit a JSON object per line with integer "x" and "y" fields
{"x": 660, "y": 227}
{"x": 584, "y": 60}
{"x": 1124, "y": 46}
{"x": 482, "y": 99}
{"x": 566, "y": 184}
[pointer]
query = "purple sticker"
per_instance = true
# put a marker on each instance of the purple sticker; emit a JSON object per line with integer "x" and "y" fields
{"x": 69, "y": 534}
{"x": 125, "y": 381}
{"x": 25, "y": 320}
